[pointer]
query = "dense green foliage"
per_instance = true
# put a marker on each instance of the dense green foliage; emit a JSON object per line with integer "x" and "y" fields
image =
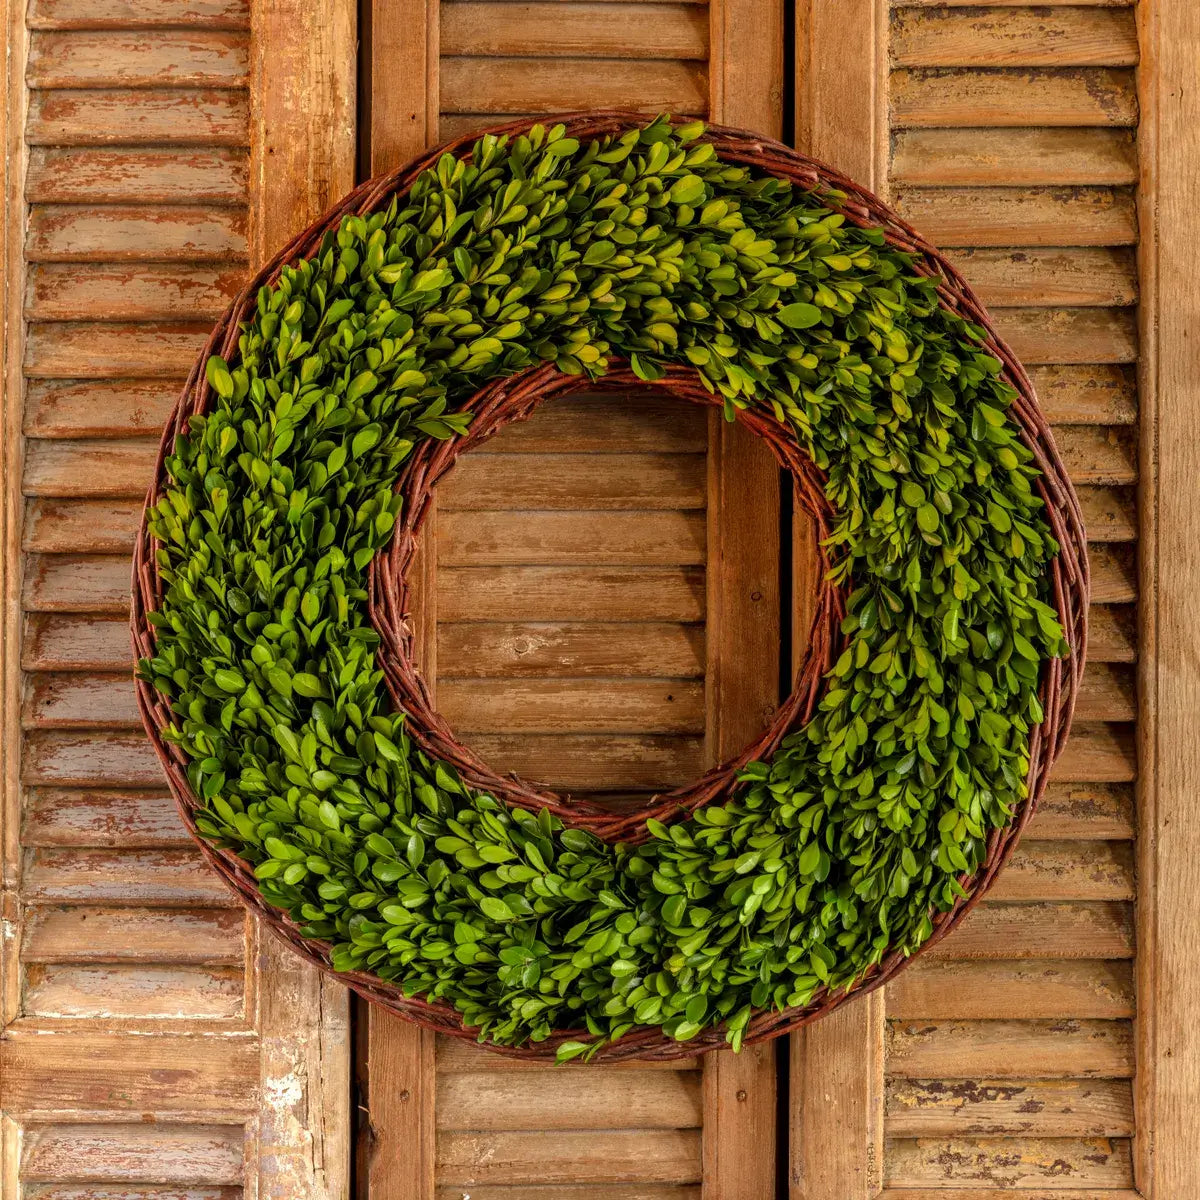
{"x": 649, "y": 247}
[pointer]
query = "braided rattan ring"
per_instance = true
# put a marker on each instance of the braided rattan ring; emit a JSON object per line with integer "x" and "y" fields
{"x": 515, "y": 398}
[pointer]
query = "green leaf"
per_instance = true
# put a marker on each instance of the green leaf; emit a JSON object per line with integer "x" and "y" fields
{"x": 799, "y": 316}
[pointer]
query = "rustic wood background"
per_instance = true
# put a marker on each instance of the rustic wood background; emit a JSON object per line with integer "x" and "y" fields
{"x": 153, "y": 1046}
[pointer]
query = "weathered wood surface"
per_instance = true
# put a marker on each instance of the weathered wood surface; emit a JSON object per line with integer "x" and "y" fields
{"x": 136, "y": 989}
{"x": 1009, "y": 134}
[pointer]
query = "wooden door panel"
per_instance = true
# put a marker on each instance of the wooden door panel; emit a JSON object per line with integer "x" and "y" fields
{"x": 599, "y": 605}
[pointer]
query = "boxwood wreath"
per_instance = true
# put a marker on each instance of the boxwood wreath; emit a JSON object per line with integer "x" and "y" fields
{"x": 579, "y": 249}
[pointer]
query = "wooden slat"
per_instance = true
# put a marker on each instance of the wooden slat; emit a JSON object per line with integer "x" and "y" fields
{"x": 487, "y": 1100}
{"x": 1009, "y": 1162}
{"x": 125, "y": 877}
{"x": 976, "y": 1193}
{"x": 496, "y": 482}
{"x": 142, "y": 291}
{"x": 97, "y": 583}
{"x": 67, "y": 526}
{"x": 1100, "y": 394}
{"x": 1072, "y": 811}
{"x": 1108, "y": 514}
{"x": 506, "y": 706}
{"x": 126, "y": 14}
{"x": 103, "y": 408}
{"x": 486, "y": 28}
{"x": 943, "y": 989}
{"x": 106, "y": 467}
{"x": 205, "y": 936}
{"x": 1101, "y": 277}
{"x": 570, "y": 538}
{"x": 104, "y": 350}
{"x": 1020, "y": 37}
{"x": 933, "y": 97}
{"x": 568, "y": 1191}
{"x": 571, "y": 594}
{"x": 1095, "y": 454}
{"x": 1097, "y": 753}
{"x": 142, "y": 176}
{"x": 90, "y": 759}
{"x": 180, "y": 117}
{"x": 79, "y": 701}
{"x": 643, "y": 422}
{"x": 1069, "y": 335}
{"x": 1040, "y": 1107}
{"x": 101, "y": 817}
{"x": 1050, "y": 4}
{"x": 1093, "y": 929}
{"x": 127, "y": 233}
{"x": 612, "y": 1156}
{"x": 133, "y": 1153}
{"x": 1113, "y": 574}
{"x": 482, "y": 650}
{"x": 455, "y": 1055}
{"x": 1013, "y": 157}
{"x": 1112, "y": 633}
{"x": 116, "y": 58}
{"x": 142, "y": 992}
{"x": 991, "y": 216}
{"x": 70, "y": 643}
{"x": 1010, "y": 1048}
{"x": 1067, "y": 870}
{"x": 1108, "y": 694}
{"x": 592, "y": 762}
{"x": 118, "y": 1071}
{"x": 530, "y": 85}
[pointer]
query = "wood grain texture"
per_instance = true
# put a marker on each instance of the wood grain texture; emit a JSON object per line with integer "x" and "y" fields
{"x": 1016, "y": 1162}
{"x": 540, "y": 85}
{"x": 1010, "y": 1048}
{"x": 1168, "y": 832}
{"x": 935, "y": 97}
{"x": 1020, "y": 37}
{"x": 499, "y": 29}
{"x": 743, "y": 609}
{"x": 836, "y": 1065}
{"x": 115, "y": 116}
{"x": 302, "y": 159}
{"x": 1014, "y": 157}
{"x": 395, "y": 1064}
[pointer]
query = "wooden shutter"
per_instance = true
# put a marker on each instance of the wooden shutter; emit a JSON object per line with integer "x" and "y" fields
{"x": 153, "y": 1043}
{"x": 600, "y": 607}
{"x": 1025, "y": 1056}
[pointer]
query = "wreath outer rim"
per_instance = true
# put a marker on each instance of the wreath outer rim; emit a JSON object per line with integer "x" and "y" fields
{"x": 1069, "y": 569}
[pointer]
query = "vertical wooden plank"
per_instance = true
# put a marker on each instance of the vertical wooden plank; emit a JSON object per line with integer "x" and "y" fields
{"x": 404, "y": 80}
{"x": 400, "y": 1074}
{"x": 836, "y": 1071}
{"x": 1168, "y": 1088}
{"x": 15, "y": 157}
{"x": 836, "y": 1101}
{"x": 302, "y": 160}
{"x": 841, "y": 71}
{"x": 739, "y": 1090}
